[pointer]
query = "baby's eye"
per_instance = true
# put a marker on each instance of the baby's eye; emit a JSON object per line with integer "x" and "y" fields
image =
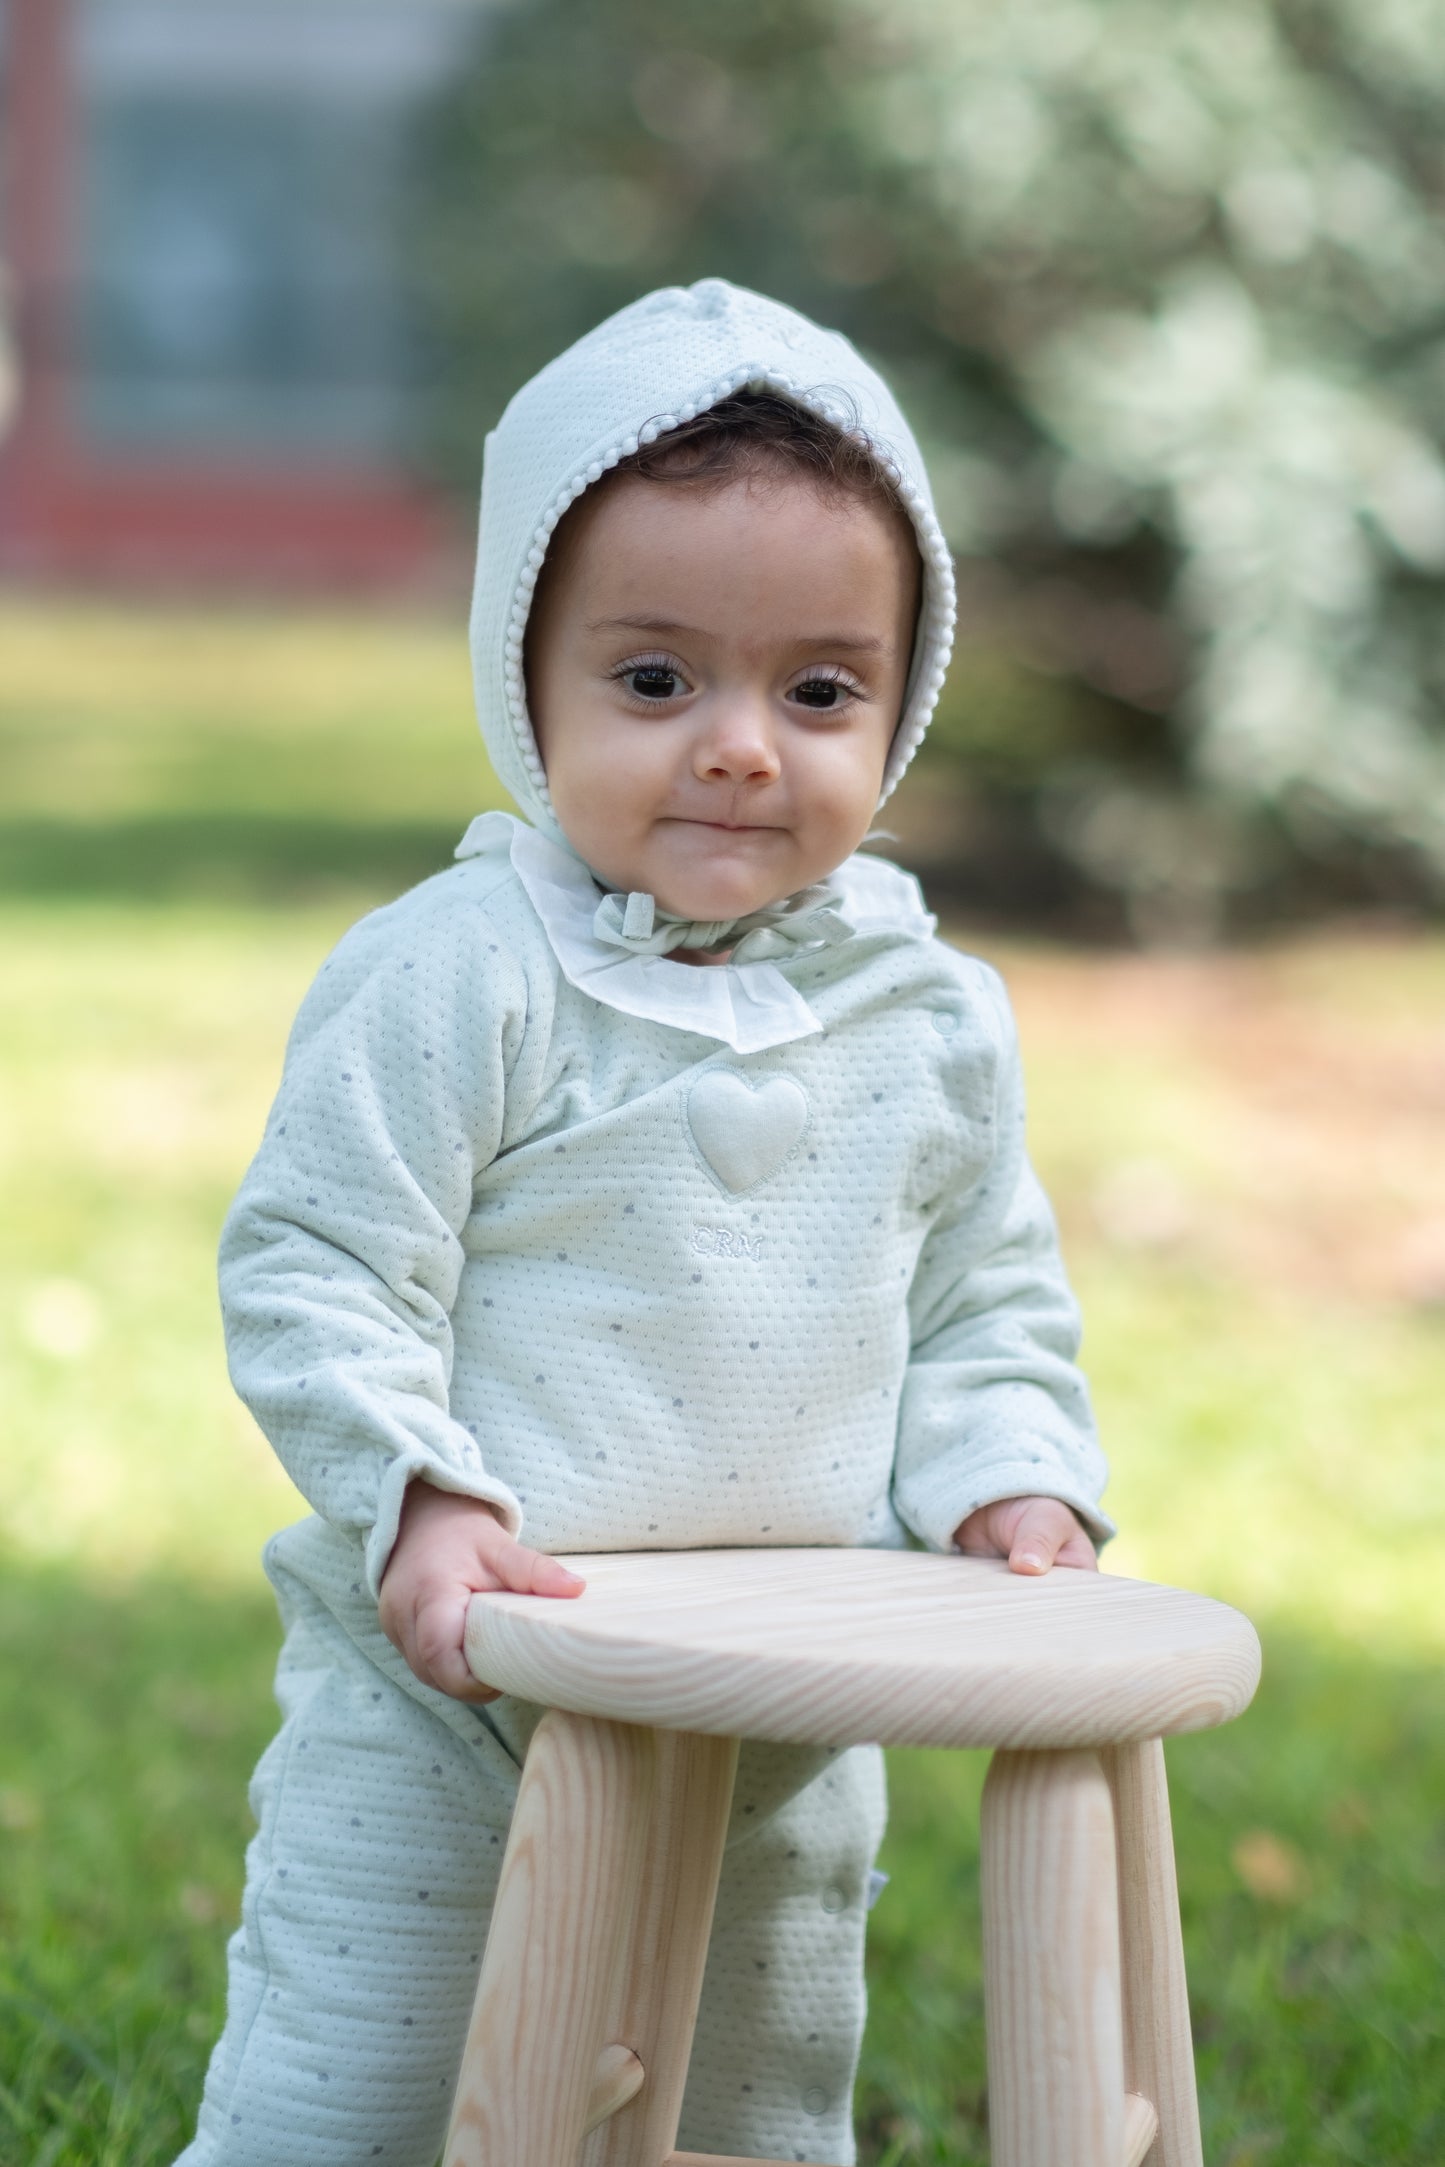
{"x": 652, "y": 681}
{"x": 822, "y": 693}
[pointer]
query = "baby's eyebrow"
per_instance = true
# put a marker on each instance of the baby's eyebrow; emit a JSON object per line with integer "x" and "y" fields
{"x": 858, "y": 643}
{"x": 643, "y": 624}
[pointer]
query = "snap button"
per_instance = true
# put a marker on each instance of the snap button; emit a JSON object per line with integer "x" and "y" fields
{"x": 834, "y": 1900}
{"x": 945, "y": 1022}
{"x": 816, "y": 2100}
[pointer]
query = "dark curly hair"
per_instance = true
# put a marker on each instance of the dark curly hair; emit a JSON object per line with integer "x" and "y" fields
{"x": 760, "y": 432}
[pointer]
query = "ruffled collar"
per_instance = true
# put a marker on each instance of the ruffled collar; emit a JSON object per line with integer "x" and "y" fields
{"x": 748, "y": 1004}
{"x": 800, "y": 923}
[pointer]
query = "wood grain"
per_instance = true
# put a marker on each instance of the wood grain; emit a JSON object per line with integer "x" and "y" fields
{"x": 1051, "y": 1963}
{"x": 618, "y": 2077}
{"x": 837, "y": 1647}
{"x": 660, "y": 1981}
{"x": 1158, "y": 2047}
{"x": 566, "y": 1895}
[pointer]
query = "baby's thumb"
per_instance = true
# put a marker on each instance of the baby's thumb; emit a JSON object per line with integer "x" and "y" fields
{"x": 531, "y": 1572}
{"x": 1038, "y": 1537}
{"x": 551, "y": 1577}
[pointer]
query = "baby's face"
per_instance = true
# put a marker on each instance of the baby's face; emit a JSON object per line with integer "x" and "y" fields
{"x": 715, "y": 678}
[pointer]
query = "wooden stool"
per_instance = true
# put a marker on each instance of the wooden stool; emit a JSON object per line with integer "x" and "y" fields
{"x": 589, "y": 1988}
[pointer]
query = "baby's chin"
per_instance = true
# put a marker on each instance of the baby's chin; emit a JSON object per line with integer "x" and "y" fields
{"x": 720, "y": 894}
{"x": 706, "y": 875}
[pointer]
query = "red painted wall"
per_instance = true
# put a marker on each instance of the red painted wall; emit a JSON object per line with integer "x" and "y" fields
{"x": 71, "y": 512}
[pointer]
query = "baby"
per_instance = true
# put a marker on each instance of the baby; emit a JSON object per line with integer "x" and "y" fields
{"x": 652, "y": 1179}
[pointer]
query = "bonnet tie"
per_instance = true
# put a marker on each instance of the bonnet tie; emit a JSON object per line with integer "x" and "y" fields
{"x": 810, "y": 919}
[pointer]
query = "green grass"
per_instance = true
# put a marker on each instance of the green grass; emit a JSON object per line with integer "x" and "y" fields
{"x": 132, "y": 1718}
{"x": 237, "y": 755}
{"x": 1318, "y": 2018}
{"x": 1271, "y": 1409}
{"x": 130, "y": 1722}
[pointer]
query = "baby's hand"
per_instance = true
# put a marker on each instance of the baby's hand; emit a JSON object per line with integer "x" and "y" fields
{"x": 447, "y": 1550}
{"x": 1033, "y": 1533}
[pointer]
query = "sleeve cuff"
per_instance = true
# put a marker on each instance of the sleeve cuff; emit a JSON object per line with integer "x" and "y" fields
{"x": 934, "y": 1507}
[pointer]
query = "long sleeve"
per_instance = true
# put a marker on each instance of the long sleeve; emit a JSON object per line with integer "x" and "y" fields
{"x": 341, "y": 1256}
{"x": 993, "y": 1405}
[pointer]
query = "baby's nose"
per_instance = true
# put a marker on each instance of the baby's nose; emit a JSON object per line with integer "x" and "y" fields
{"x": 737, "y": 744}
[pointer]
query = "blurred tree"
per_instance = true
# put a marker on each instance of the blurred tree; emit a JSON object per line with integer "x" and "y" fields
{"x": 1164, "y": 290}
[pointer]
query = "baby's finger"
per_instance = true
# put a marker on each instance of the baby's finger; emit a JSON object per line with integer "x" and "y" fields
{"x": 435, "y": 1649}
{"x": 1079, "y": 1553}
{"x": 531, "y": 1572}
{"x": 1044, "y": 1528}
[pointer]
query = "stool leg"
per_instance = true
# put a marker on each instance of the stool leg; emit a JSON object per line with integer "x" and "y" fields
{"x": 1158, "y": 2049}
{"x": 548, "y": 1984}
{"x": 662, "y": 1981}
{"x": 1051, "y": 1963}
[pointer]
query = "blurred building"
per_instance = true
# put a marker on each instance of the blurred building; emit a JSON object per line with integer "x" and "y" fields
{"x": 214, "y": 371}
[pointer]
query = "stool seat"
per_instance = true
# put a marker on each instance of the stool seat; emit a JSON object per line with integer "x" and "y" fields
{"x": 591, "y": 1977}
{"x": 844, "y": 1647}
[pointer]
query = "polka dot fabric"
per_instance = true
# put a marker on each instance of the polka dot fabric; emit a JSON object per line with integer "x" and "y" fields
{"x": 382, "y": 1813}
{"x": 489, "y": 1238}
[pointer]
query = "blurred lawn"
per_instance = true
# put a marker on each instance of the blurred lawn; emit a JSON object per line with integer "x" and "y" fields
{"x": 1241, "y": 1151}
{"x": 232, "y": 755}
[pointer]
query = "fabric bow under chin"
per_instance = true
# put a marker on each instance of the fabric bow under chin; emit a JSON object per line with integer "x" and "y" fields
{"x": 810, "y": 919}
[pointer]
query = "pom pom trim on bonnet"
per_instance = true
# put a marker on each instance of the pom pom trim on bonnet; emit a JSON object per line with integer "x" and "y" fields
{"x": 657, "y": 363}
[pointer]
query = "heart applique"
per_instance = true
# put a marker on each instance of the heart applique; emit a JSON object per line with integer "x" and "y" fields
{"x": 744, "y": 1131}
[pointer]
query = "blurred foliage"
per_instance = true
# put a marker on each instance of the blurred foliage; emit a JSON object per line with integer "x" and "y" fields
{"x": 1162, "y": 289}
